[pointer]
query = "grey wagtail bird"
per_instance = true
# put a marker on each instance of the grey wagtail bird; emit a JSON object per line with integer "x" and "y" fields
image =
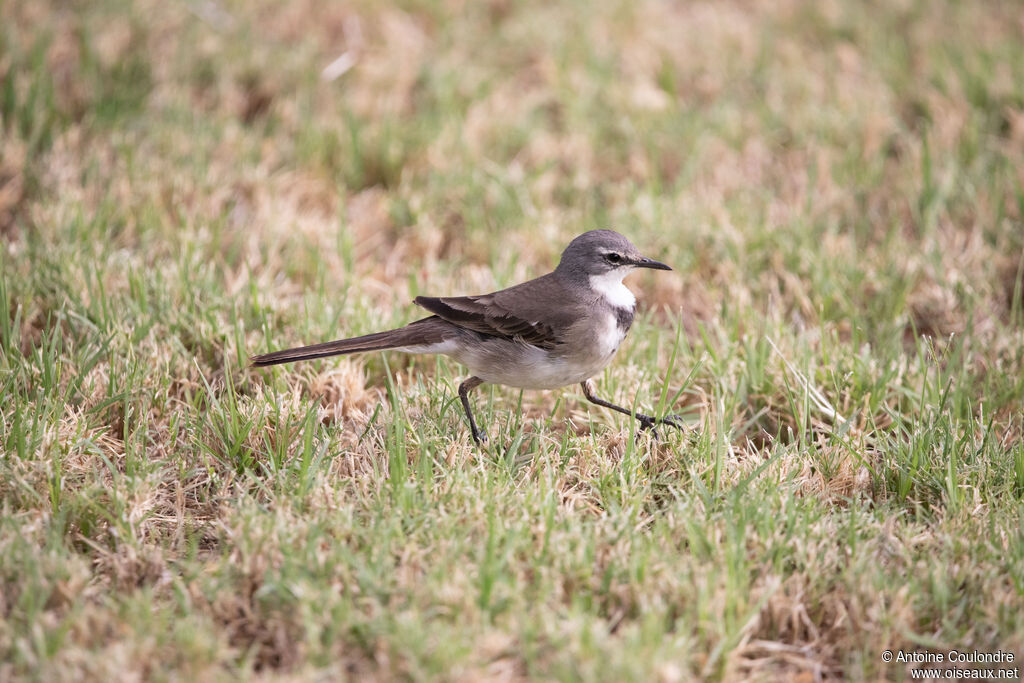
{"x": 559, "y": 329}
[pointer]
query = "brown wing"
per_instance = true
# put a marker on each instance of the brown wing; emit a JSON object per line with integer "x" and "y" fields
{"x": 537, "y": 312}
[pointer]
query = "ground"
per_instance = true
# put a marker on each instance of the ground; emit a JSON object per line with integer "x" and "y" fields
{"x": 839, "y": 187}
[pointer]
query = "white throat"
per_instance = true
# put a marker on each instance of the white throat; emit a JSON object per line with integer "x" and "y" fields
{"x": 609, "y": 285}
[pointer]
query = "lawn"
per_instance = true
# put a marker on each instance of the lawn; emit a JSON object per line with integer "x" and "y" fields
{"x": 839, "y": 187}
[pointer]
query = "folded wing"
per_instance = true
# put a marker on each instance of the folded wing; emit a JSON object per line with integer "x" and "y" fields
{"x": 515, "y": 313}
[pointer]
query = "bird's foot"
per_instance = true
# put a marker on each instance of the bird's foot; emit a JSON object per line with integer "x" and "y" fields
{"x": 649, "y": 422}
{"x": 479, "y": 436}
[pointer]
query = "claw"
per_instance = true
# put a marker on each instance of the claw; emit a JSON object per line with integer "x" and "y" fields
{"x": 648, "y": 422}
{"x": 673, "y": 421}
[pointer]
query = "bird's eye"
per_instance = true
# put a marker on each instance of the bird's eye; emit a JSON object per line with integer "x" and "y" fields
{"x": 614, "y": 258}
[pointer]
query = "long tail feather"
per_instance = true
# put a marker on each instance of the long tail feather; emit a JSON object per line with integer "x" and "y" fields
{"x": 414, "y": 334}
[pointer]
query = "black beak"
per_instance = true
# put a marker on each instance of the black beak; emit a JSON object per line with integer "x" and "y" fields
{"x": 644, "y": 262}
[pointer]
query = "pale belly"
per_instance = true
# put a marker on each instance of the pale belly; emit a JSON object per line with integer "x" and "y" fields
{"x": 529, "y": 367}
{"x": 540, "y": 373}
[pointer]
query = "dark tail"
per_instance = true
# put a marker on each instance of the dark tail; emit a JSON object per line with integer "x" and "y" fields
{"x": 421, "y": 332}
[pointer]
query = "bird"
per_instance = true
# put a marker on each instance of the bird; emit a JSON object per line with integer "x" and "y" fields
{"x": 559, "y": 329}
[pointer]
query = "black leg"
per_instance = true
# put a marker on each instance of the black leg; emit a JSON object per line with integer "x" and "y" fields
{"x": 646, "y": 421}
{"x": 472, "y": 383}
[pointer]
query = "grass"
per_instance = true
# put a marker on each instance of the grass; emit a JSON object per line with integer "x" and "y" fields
{"x": 839, "y": 186}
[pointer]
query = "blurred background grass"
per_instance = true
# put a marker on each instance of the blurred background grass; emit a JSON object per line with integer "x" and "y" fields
{"x": 185, "y": 184}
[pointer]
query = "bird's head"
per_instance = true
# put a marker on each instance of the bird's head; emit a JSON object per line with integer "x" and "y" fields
{"x": 604, "y": 253}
